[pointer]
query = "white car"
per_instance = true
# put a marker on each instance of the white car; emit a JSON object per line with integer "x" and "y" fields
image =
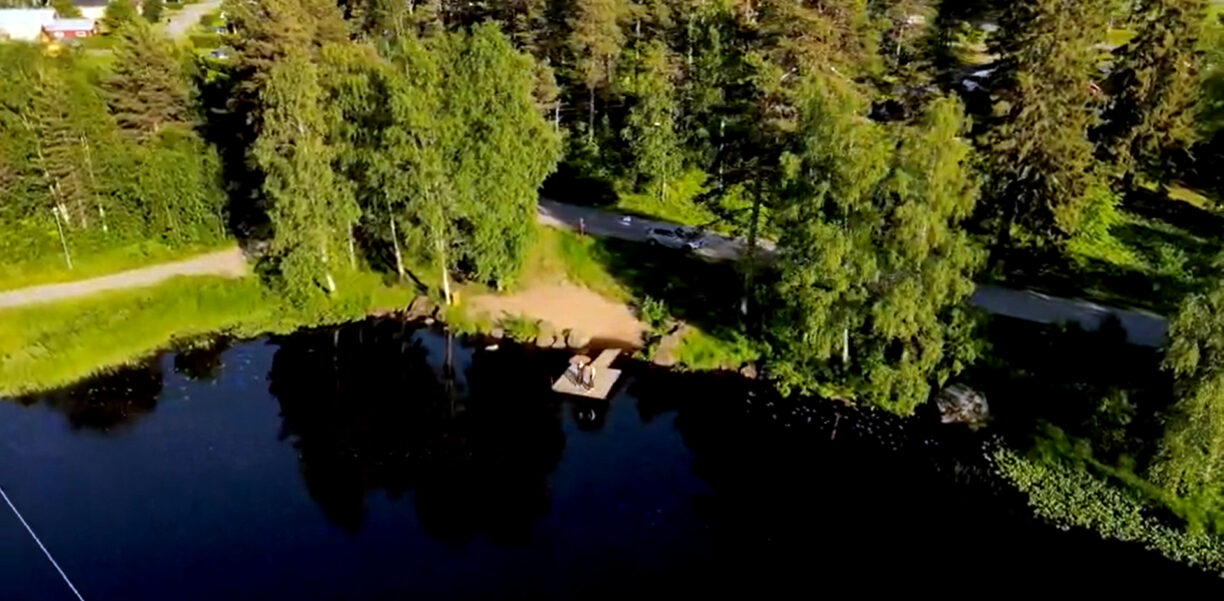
{"x": 658, "y": 236}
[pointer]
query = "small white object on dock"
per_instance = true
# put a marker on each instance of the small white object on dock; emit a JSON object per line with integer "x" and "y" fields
{"x": 605, "y": 377}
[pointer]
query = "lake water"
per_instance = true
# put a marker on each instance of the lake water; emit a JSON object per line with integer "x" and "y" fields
{"x": 337, "y": 464}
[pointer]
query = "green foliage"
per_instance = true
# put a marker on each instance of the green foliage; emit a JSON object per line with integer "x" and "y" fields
{"x": 679, "y": 203}
{"x": 872, "y": 264}
{"x": 1040, "y": 163}
{"x": 521, "y": 329}
{"x": 448, "y": 151}
{"x": 52, "y": 345}
{"x": 1070, "y": 496}
{"x": 65, "y": 9}
{"x": 650, "y": 128}
{"x": 1155, "y": 85}
{"x": 702, "y": 351}
{"x": 313, "y": 214}
{"x": 67, "y": 162}
{"x": 1191, "y": 459}
{"x": 654, "y": 312}
{"x": 119, "y": 13}
{"x": 152, "y": 10}
{"x": 147, "y": 89}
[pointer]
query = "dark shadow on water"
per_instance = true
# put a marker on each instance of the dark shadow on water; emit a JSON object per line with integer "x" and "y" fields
{"x": 113, "y": 400}
{"x": 202, "y": 360}
{"x": 367, "y": 411}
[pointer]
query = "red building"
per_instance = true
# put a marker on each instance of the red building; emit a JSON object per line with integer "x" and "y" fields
{"x": 68, "y": 29}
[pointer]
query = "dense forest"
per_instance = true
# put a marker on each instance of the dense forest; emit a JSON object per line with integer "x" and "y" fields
{"x": 897, "y": 152}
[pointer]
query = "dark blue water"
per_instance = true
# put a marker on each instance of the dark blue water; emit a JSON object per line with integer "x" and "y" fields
{"x": 343, "y": 464}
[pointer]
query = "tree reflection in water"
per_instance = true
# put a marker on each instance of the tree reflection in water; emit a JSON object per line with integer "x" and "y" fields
{"x": 202, "y": 360}
{"x": 367, "y": 407}
{"x": 108, "y": 401}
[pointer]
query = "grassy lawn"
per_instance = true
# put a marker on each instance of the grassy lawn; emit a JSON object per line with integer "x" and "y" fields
{"x": 678, "y": 204}
{"x": 52, "y": 268}
{"x": 705, "y": 295}
{"x": 583, "y": 260}
{"x": 52, "y": 345}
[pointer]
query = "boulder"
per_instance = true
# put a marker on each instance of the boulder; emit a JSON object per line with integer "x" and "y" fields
{"x": 497, "y": 333}
{"x": 748, "y": 371}
{"x": 559, "y": 342}
{"x": 960, "y": 404}
{"x": 577, "y": 339}
{"x": 545, "y": 340}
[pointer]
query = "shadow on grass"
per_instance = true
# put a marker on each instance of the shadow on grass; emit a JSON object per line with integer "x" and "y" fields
{"x": 1092, "y": 385}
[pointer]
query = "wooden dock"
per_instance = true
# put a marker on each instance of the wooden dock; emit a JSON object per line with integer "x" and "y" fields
{"x": 605, "y": 377}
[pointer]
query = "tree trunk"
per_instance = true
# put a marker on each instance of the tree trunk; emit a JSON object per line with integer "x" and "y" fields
{"x": 63, "y": 240}
{"x": 399, "y": 257}
{"x": 93, "y": 184}
{"x": 591, "y": 115}
{"x": 446, "y": 291}
{"x": 751, "y": 250}
{"x": 352, "y": 250}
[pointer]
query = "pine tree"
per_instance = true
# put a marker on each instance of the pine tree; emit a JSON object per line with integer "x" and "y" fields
{"x": 1042, "y": 178}
{"x": 58, "y": 150}
{"x": 595, "y": 43}
{"x": 147, "y": 89}
{"x": 1154, "y": 86}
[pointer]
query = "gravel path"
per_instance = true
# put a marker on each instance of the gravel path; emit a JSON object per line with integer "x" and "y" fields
{"x": 226, "y": 263}
{"x": 177, "y": 24}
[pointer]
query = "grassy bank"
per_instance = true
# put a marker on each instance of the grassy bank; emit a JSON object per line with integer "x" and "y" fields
{"x": 53, "y": 269}
{"x": 49, "y": 346}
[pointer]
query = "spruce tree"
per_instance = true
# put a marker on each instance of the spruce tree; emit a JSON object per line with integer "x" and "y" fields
{"x": 1041, "y": 170}
{"x": 146, "y": 89}
{"x": 1154, "y": 86}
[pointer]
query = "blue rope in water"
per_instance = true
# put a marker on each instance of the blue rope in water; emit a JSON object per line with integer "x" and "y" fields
{"x": 40, "y": 545}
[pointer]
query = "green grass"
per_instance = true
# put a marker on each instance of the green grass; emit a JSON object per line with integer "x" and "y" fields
{"x": 1118, "y": 37}
{"x": 52, "y": 268}
{"x": 52, "y": 345}
{"x": 583, "y": 260}
{"x": 1194, "y": 198}
{"x": 702, "y": 351}
{"x": 679, "y": 204}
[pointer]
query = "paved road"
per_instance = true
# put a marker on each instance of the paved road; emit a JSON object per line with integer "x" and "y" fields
{"x": 179, "y": 23}
{"x": 226, "y": 263}
{"x": 1142, "y": 327}
{"x": 606, "y": 224}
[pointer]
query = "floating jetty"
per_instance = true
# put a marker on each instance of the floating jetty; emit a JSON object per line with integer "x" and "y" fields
{"x": 570, "y": 382}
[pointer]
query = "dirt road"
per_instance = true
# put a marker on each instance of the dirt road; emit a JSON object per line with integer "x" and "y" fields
{"x": 225, "y": 263}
